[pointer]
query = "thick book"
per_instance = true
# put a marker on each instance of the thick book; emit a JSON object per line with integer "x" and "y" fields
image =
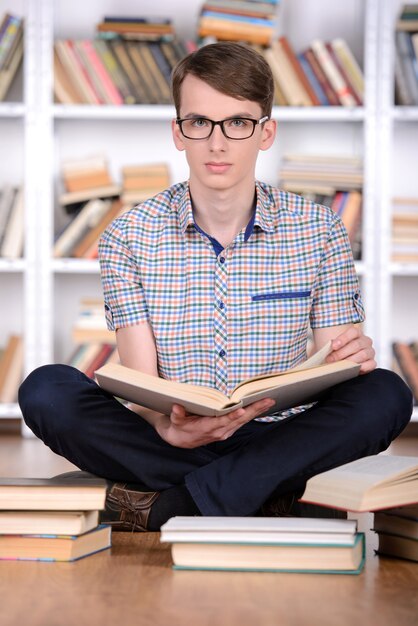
{"x": 54, "y": 547}
{"x": 52, "y": 494}
{"x": 47, "y": 522}
{"x": 259, "y": 530}
{"x": 386, "y": 522}
{"x": 304, "y": 383}
{"x": 400, "y": 547}
{"x": 271, "y": 557}
{"x": 369, "y": 484}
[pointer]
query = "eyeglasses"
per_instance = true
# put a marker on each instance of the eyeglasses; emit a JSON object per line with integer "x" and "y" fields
{"x": 232, "y": 127}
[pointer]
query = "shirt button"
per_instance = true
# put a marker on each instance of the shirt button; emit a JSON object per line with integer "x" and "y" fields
{"x": 222, "y": 353}
{"x": 222, "y": 259}
{"x": 356, "y": 296}
{"x": 221, "y": 304}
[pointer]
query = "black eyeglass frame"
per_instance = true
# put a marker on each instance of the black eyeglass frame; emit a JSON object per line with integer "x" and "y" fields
{"x": 220, "y": 123}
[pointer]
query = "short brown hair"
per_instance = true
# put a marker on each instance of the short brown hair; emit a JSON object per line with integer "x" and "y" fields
{"x": 234, "y": 69}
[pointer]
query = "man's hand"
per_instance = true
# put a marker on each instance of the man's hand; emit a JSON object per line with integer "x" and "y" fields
{"x": 354, "y": 345}
{"x": 191, "y": 431}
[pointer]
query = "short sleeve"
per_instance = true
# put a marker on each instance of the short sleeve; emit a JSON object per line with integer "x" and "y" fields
{"x": 124, "y": 298}
{"x": 336, "y": 295}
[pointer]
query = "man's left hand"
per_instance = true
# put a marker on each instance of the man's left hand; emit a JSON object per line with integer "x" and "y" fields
{"x": 354, "y": 345}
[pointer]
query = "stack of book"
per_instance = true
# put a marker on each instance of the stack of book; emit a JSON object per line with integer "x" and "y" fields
{"x": 238, "y": 20}
{"x": 129, "y": 62}
{"x": 91, "y": 199}
{"x": 11, "y": 368}
{"x": 406, "y": 56}
{"x": 11, "y": 50}
{"x": 406, "y": 364}
{"x": 405, "y": 230}
{"x": 11, "y": 221}
{"x": 326, "y": 73}
{"x": 397, "y": 531}
{"x": 265, "y": 544}
{"x": 51, "y": 519}
{"x": 329, "y": 180}
{"x": 140, "y": 182}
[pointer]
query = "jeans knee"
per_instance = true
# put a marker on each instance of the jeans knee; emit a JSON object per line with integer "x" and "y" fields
{"x": 394, "y": 398}
{"x": 41, "y": 396}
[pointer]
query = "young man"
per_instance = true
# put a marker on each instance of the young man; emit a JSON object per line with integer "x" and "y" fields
{"x": 210, "y": 282}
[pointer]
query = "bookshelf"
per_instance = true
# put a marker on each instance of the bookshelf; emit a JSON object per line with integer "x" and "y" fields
{"x": 48, "y": 290}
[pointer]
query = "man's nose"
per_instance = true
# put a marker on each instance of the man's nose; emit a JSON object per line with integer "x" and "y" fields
{"x": 217, "y": 139}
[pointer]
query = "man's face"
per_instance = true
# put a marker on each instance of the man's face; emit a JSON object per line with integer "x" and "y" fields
{"x": 217, "y": 162}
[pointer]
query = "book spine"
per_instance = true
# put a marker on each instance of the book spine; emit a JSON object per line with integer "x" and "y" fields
{"x": 352, "y": 68}
{"x": 316, "y": 85}
{"x": 101, "y": 71}
{"x": 334, "y": 76}
{"x": 322, "y": 78}
{"x": 405, "y": 66}
{"x": 105, "y": 53}
{"x": 8, "y": 37}
{"x": 343, "y": 73}
{"x": 311, "y": 97}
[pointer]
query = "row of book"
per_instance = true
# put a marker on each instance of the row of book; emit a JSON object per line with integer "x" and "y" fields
{"x": 11, "y": 368}
{"x": 239, "y": 20}
{"x": 11, "y": 221}
{"x": 405, "y": 230}
{"x": 384, "y": 484}
{"x": 55, "y": 519}
{"x": 11, "y": 50}
{"x": 288, "y": 544}
{"x": 92, "y": 200}
{"x": 405, "y": 363}
{"x": 333, "y": 181}
{"x": 118, "y": 71}
{"x": 406, "y": 56}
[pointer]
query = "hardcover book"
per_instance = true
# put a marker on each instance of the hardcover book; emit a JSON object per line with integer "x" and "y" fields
{"x": 303, "y": 383}
{"x": 369, "y": 484}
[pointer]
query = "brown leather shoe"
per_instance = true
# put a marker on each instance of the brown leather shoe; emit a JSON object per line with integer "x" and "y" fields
{"x": 126, "y": 508}
{"x": 288, "y": 506}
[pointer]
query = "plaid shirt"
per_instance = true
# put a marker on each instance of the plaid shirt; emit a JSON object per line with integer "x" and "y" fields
{"x": 220, "y": 316}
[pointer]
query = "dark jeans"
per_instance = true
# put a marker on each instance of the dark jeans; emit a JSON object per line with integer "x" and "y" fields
{"x": 88, "y": 426}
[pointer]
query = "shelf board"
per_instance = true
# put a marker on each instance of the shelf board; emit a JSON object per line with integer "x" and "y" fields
{"x": 403, "y": 269}
{"x": 12, "y": 109}
{"x": 12, "y": 265}
{"x": 405, "y": 114}
{"x": 75, "y": 266}
{"x": 123, "y": 112}
{"x": 9, "y": 411}
{"x": 167, "y": 112}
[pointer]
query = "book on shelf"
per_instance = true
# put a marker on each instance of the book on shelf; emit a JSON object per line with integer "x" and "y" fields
{"x": 408, "y": 18}
{"x": 49, "y": 547}
{"x": 141, "y": 28}
{"x": 87, "y": 357}
{"x": 7, "y": 199}
{"x": 11, "y": 244}
{"x": 405, "y": 229}
{"x": 80, "y": 225}
{"x": 90, "y": 325}
{"x": 85, "y": 173}
{"x": 316, "y": 67}
{"x": 117, "y": 75}
{"x": 350, "y": 65}
{"x": 406, "y": 70}
{"x": 52, "y": 494}
{"x": 87, "y": 246}
{"x": 11, "y": 51}
{"x": 303, "y": 383}
{"x": 280, "y": 57}
{"x": 233, "y": 27}
{"x": 265, "y": 544}
{"x": 332, "y": 73}
{"x": 11, "y": 369}
{"x": 404, "y": 354}
{"x": 140, "y": 182}
{"x": 47, "y": 522}
{"x": 71, "y": 200}
{"x": 368, "y": 484}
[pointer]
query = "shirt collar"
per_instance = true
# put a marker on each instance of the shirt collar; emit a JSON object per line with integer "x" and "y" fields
{"x": 263, "y": 211}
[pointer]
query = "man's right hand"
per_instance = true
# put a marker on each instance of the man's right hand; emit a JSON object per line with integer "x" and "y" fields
{"x": 183, "y": 430}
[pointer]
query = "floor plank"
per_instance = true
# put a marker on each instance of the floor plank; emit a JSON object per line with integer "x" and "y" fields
{"x": 133, "y": 583}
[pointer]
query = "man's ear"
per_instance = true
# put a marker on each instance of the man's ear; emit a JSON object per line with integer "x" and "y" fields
{"x": 268, "y": 134}
{"x": 177, "y": 136}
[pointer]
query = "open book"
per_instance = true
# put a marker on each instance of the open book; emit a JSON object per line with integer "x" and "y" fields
{"x": 369, "y": 484}
{"x": 303, "y": 383}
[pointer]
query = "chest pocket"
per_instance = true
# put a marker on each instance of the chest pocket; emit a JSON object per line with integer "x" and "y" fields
{"x": 281, "y": 295}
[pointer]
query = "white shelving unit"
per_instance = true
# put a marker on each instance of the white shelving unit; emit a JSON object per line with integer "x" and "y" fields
{"x": 48, "y": 290}
{"x": 396, "y": 148}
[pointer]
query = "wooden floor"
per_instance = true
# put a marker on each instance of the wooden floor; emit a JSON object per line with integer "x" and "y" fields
{"x": 133, "y": 583}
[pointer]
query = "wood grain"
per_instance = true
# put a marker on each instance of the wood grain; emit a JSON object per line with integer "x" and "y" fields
{"x": 133, "y": 583}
